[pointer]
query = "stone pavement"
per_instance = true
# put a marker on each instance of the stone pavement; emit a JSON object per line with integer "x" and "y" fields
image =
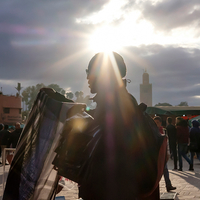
{"x": 187, "y": 183}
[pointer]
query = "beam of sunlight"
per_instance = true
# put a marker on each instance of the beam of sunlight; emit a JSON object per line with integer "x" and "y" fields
{"x": 116, "y": 70}
{"x": 141, "y": 62}
{"x": 68, "y": 60}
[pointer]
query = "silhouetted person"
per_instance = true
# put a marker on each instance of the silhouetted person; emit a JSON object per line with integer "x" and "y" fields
{"x": 120, "y": 163}
{"x": 194, "y": 141}
{"x": 1, "y": 137}
{"x": 183, "y": 141}
{"x": 15, "y": 135}
{"x": 171, "y": 132}
{"x": 168, "y": 183}
{"x": 5, "y": 139}
{"x": 6, "y": 136}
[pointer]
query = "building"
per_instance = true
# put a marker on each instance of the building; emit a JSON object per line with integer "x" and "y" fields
{"x": 10, "y": 109}
{"x": 146, "y": 90}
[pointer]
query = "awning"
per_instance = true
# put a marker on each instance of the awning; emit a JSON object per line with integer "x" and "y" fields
{"x": 195, "y": 118}
{"x": 157, "y": 111}
{"x": 174, "y": 110}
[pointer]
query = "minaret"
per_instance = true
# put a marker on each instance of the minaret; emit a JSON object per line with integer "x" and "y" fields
{"x": 146, "y": 90}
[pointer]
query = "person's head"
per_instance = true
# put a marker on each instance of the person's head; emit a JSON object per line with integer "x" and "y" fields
{"x": 178, "y": 120}
{"x": 195, "y": 123}
{"x": 158, "y": 121}
{"x": 169, "y": 120}
{"x": 105, "y": 70}
{"x": 6, "y": 127}
{"x": 1, "y": 127}
{"x": 17, "y": 125}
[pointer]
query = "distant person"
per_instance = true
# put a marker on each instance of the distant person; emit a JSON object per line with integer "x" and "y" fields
{"x": 171, "y": 132}
{"x": 1, "y": 127}
{"x": 1, "y": 137}
{"x": 5, "y": 139}
{"x": 194, "y": 141}
{"x": 183, "y": 142}
{"x": 15, "y": 135}
{"x": 6, "y": 136}
{"x": 178, "y": 120}
{"x": 168, "y": 183}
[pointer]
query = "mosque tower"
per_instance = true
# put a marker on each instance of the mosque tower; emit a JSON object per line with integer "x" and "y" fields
{"x": 146, "y": 90}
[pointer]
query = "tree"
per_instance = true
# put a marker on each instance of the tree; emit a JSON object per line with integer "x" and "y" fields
{"x": 88, "y": 102}
{"x": 25, "y": 96}
{"x": 57, "y": 88}
{"x": 69, "y": 95}
{"x": 183, "y": 103}
{"x": 163, "y": 104}
{"x": 79, "y": 97}
{"x": 29, "y": 94}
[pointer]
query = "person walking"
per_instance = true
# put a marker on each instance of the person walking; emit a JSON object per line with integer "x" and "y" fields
{"x": 168, "y": 183}
{"x": 194, "y": 141}
{"x": 171, "y": 133}
{"x": 183, "y": 142}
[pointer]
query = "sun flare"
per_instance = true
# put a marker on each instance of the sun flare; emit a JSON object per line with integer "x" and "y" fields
{"x": 105, "y": 39}
{"x": 128, "y": 33}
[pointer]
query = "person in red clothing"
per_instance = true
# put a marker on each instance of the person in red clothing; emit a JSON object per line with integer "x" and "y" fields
{"x": 168, "y": 184}
{"x": 183, "y": 141}
{"x": 171, "y": 133}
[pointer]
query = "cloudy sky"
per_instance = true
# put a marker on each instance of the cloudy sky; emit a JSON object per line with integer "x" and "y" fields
{"x": 52, "y": 42}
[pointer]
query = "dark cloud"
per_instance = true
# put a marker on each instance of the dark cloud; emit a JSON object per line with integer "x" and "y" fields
{"x": 34, "y": 35}
{"x": 174, "y": 72}
{"x": 167, "y": 15}
{"x": 47, "y": 12}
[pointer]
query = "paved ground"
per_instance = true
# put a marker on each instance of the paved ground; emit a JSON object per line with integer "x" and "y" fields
{"x": 187, "y": 183}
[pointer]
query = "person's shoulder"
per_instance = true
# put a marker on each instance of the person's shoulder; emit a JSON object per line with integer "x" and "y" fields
{"x": 13, "y": 132}
{"x": 6, "y": 131}
{"x": 20, "y": 130}
{"x": 133, "y": 99}
{"x": 173, "y": 127}
{"x": 168, "y": 126}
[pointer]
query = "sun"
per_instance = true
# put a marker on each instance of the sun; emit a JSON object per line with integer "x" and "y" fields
{"x": 105, "y": 39}
{"x": 114, "y": 38}
{"x": 114, "y": 28}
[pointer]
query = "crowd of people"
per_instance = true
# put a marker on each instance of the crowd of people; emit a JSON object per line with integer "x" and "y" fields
{"x": 9, "y": 137}
{"x": 183, "y": 140}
